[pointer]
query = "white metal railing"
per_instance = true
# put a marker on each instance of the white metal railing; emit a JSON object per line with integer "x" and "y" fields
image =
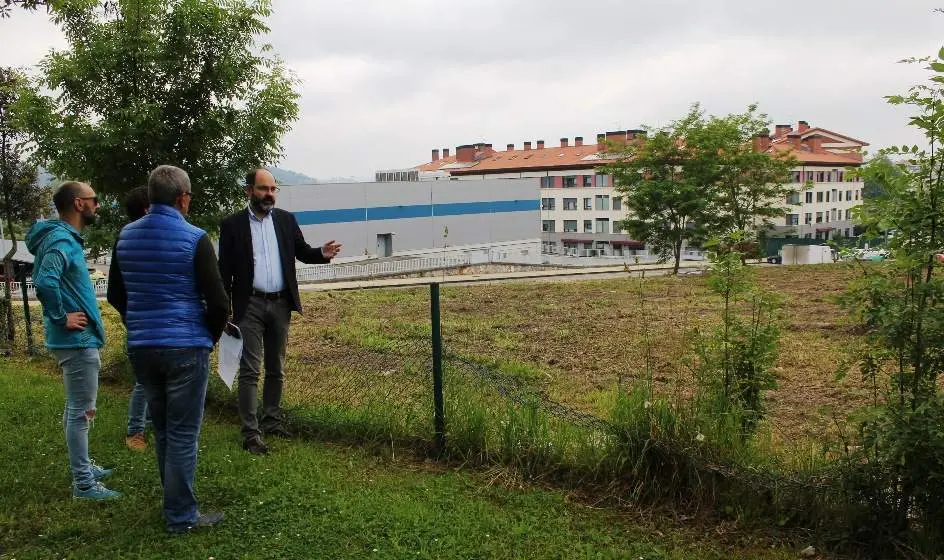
{"x": 342, "y": 271}
{"x": 322, "y": 273}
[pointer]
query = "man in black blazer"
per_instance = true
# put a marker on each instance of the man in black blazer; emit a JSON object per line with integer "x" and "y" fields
{"x": 258, "y": 248}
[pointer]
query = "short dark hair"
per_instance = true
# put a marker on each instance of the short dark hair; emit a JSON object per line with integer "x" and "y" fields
{"x": 137, "y": 203}
{"x": 66, "y": 194}
{"x": 251, "y": 177}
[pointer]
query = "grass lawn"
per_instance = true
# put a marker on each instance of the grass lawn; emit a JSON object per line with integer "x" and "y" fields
{"x": 305, "y": 500}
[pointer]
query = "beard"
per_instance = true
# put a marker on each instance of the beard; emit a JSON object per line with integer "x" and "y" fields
{"x": 89, "y": 219}
{"x": 262, "y": 204}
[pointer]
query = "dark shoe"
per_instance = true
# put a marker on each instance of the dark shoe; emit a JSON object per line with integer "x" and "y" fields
{"x": 279, "y": 431}
{"x": 255, "y": 445}
{"x": 203, "y": 520}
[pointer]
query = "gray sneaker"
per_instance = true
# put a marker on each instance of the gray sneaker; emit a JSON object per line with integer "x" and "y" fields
{"x": 203, "y": 520}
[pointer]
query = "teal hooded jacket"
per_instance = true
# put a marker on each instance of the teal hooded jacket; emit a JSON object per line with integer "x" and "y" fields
{"x": 62, "y": 283}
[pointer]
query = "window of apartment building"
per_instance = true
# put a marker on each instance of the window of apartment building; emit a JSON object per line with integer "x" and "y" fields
{"x": 570, "y": 181}
{"x": 819, "y": 196}
{"x": 603, "y": 225}
{"x": 588, "y": 180}
{"x": 819, "y": 217}
{"x": 857, "y": 194}
{"x": 820, "y": 177}
{"x": 570, "y": 248}
{"x": 827, "y": 196}
{"x": 848, "y": 215}
{"x": 837, "y": 196}
{"x": 793, "y": 219}
{"x": 807, "y": 236}
{"x": 819, "y": 235}
{"x": 570, "y": 204}
{"x": 808, "y": 218}
{"x": 547, "y": 203}
{"x": 833, "y": 214}
{"x": 793, "y": 198}
{"x": 796, "y": 176}
{"x": 617, "y": 203}
{"x": 588, "y": 226}
{"x": 848, "y": 195}
{"x": 809, "y": 197}
{"x": 549, "y": 247}
{"x": 588, "y": 204}
{"x": 840, "y": 176}
{"x": 547, "y": 182}
{"x": 570, "y": 226}
{"x": 616, "y": 228}
{"x": 547, "y": 225}
{"x": 602, "y": 202}
{"x": 603, "y": 180}
{"x": 847, "y": 232}
{"x": 809, "y": 175}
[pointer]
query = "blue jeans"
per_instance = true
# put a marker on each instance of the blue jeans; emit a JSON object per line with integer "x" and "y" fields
{"x": 138, "y": 417}
{"x": 175, "y": 383}
{"x": 80, "y": 368}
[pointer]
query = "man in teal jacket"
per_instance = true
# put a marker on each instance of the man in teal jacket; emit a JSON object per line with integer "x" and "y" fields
{"x": 73, "y": 324}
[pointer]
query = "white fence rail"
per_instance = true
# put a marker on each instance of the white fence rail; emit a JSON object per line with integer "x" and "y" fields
{"x": 327, "y": 272}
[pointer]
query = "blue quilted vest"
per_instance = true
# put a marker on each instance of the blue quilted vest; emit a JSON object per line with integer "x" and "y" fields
{"x": 165, "y": 309}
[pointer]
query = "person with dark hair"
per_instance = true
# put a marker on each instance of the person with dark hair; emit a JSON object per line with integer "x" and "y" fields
{"x": 136, "y": 207}
{"x": 169, "y": 293}
{"x": 72, "y": 323}
{"x": 258, "y": 248}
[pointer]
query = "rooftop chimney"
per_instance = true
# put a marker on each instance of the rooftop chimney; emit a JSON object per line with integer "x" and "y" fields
{"x": 511, "y": 147}
{"x": 527, "y": 145}
{"x": 601, "y": 142}
{"x": 445, "y": 153}
{"x": 762, "y": 141}
{"x": 578, "y": 140}
{"x": 564, "y": 142}
{"x": 436, "y": 154}
{"x": 617, "y": 137}
{"x": 540, "y": 144}
{"x": 782, "y": 130}
{"x": 465, "y": 154}
{"x": 635, "y": 133}
{"x": 803, "y": 126}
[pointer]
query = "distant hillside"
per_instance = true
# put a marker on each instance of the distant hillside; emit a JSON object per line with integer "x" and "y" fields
{"x": 288, "y": 177}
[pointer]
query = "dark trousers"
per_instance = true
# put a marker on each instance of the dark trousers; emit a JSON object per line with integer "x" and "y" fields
{"x": 264, "y": 330}
{"x": 175, "y": 384}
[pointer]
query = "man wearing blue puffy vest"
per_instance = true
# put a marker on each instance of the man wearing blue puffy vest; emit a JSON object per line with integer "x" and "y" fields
{"x": 169, "y": 292}
{"x": 72, "y": 324}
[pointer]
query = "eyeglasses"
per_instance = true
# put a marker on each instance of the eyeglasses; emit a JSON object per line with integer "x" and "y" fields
{"x": 264, "y": 188}
{"x": 94, "y": 198}
{"x": 188, "y": 193}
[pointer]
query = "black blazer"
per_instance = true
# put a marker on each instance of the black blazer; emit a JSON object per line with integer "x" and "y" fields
{"x": 236, "y": 261}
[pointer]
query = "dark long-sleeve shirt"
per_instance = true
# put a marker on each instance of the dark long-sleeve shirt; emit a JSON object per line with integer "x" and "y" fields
{"x": 209, "y": 284}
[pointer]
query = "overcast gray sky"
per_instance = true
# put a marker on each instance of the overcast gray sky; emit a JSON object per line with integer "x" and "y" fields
{"x": 385, "y": 81}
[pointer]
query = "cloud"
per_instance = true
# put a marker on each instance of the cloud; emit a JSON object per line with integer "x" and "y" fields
{"x": 384, "y": 82}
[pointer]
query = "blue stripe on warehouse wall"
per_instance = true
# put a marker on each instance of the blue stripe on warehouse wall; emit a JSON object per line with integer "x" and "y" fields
{"x": 342, "y": 215}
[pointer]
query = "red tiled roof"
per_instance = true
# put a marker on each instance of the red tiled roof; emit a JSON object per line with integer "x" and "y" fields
{"x": 805, "y": 155}
{"x": 522, "y": 160}
{"x": 818, "y": 130}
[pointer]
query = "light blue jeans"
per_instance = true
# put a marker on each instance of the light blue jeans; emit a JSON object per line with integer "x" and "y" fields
{"x": 80, "y": 367}
{"x": 138, "y": 414}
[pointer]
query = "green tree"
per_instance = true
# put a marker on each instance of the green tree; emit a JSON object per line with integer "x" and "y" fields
{"x": 662, "y": 180}
{"x": 147, "y": 82}
{"x": 751, "y": 186}
{"x": 901, "y": 305}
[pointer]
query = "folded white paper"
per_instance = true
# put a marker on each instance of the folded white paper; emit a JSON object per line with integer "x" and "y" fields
{"x": 231, "y": 350}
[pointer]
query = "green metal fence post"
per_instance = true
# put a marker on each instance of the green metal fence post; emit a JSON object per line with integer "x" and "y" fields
{"x": 439, "y": 418}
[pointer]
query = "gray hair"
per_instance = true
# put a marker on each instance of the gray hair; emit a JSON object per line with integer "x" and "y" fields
{"x": 166, "y": 183}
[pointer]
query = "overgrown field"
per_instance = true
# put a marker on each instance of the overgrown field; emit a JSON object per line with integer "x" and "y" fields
{"x": 575, "y": 340}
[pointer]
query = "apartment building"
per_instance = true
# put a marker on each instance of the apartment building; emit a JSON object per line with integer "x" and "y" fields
{"x": 580, "y": 208}
{"x": 826, "y": 191}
